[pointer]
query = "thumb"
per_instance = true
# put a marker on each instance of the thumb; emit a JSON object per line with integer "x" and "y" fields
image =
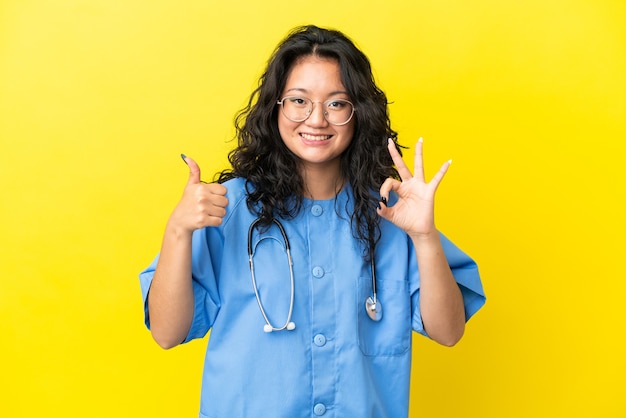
{"x": 194, "y": 170}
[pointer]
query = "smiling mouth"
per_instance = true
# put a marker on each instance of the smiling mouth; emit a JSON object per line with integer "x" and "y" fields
{"x": 310, "y": 137}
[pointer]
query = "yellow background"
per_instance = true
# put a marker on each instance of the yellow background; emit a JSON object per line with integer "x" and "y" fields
{"x": 98, "y": 99}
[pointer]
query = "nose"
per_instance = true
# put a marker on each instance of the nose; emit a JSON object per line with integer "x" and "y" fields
{"x": 317, "y": 117}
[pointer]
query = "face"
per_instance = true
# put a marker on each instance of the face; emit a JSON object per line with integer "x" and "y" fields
{"x": 316, "y": 142}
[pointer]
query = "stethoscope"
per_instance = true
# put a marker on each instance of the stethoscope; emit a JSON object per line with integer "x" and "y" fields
{"x": 372, "y": 305}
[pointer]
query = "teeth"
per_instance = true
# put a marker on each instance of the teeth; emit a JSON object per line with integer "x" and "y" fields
{"x": 315, "y": 137}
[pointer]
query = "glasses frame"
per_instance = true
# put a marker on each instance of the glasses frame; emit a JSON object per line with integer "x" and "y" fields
{"x": 325, "y": 113}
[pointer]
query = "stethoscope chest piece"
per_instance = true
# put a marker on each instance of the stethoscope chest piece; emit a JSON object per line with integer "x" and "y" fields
{"x": 373, "y": 308}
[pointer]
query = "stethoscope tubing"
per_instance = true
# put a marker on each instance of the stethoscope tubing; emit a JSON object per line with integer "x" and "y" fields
{"x": 268, "y": 325}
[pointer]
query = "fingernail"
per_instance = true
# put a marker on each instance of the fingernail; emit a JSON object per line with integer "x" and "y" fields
{"x": 384, "y": 200}
{"x": 421, "y": 139}
{"x": 183, "y": 156}
{"x": 449, "y": 161}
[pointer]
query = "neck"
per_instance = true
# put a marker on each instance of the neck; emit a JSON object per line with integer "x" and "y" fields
{"x": 322, "y": 183}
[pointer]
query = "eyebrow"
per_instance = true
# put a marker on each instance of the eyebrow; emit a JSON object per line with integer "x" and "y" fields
{"x": 332, "y": 93}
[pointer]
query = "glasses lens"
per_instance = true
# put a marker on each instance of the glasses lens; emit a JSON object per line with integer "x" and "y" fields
{"x": 298, "y": 109}
{"x": 338, "y": 111}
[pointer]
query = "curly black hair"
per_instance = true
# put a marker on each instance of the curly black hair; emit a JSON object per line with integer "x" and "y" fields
{"x": 275, "y": 186}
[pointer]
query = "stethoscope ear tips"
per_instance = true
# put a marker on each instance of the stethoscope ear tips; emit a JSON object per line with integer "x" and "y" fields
{"x": 268, "y": 328}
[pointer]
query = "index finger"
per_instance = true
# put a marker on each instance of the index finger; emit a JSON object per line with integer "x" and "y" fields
{"x": 217, "y": 188}
{"x": 403, "y": 170}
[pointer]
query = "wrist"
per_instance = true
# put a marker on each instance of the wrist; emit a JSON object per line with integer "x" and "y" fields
{"x": 174, "y": 230}
{"x": 425, "y": 239}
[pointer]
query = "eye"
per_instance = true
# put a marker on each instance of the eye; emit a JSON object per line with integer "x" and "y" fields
{"x": 300, "y": 101}
{"x": 337, "y": 104}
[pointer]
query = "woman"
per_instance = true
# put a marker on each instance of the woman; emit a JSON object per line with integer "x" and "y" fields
{"x": 312, "y": 259}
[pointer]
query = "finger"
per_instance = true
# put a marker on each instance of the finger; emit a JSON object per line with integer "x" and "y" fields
{"x": 418, "y": 167}
{"x": 194, "y": 170}
{"x": 403, "y": 170}
{"x": 216, "y": 211}
{"x": 213, "y": 199}
{"x": 214, "y": 220}
{"x": 440, "y": 174}
{"x": 383, "y": 207}
{"x": 387, "y": 186}
{"x": 211, "y": 204}
{"x": 218, "y": 198}
{"x": 383, "y": 210}
{"x": 217, "y": 189}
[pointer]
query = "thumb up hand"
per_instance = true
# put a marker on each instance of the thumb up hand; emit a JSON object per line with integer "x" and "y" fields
{"x": 202, "y": 204}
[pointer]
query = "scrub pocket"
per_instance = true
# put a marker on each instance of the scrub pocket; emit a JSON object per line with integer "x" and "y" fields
{"x": 391, "y": 336}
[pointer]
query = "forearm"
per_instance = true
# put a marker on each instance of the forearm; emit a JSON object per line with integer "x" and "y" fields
{"x": 441, "y": 302}
{"x": 171, "y": 299}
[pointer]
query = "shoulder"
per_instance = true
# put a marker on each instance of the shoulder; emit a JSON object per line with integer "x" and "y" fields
{"x": 236, "y": 188}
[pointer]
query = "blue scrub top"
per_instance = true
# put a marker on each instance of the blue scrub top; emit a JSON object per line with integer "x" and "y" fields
{"x": 337, "y": 362}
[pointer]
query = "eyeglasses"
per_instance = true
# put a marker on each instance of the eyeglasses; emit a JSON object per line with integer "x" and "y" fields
{"x": 298, "y": 109}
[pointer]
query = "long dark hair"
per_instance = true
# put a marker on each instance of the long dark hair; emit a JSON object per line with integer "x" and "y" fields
{"x": 274, "y": 184}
